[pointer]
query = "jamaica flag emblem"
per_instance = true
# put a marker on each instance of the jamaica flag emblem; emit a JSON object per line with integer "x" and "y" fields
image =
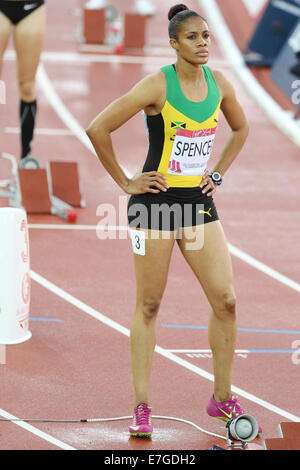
{"x": 178, "y": 125}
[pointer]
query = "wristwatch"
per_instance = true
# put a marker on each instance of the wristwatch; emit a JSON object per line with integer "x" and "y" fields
{"x": 216, "y": 177}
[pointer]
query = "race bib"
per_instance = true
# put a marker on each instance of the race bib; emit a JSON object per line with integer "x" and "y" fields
{"x": 138, "y": 240}
{"x": 191, "y": 151}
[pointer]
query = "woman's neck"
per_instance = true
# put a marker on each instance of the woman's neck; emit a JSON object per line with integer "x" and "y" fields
{"x": 188, "y": 72}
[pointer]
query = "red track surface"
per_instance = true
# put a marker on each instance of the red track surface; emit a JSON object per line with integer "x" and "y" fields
{"x": 79, "y": 367}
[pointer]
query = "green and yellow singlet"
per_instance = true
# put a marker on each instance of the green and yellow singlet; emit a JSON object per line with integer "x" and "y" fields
{"x": 181, "y": 136}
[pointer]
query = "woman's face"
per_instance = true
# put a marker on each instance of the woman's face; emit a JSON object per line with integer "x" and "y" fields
{"x": 193, "y": 41}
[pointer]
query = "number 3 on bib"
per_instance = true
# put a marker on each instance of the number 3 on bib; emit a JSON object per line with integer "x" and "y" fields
{"x": 138, "y": 240}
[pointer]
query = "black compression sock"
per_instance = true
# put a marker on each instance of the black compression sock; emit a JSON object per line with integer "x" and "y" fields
{"x": 27, "y": 122}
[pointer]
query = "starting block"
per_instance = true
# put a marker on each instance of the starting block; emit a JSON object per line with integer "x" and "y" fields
{"x": 289, "y": 439}
{"x": 94, "y": 26}
{"x": 107, "y": 26}
{"x": 52, "y": 190}
{"x": 134, "y": 30}
{"x": 63, "y": 181}
{"x": 33, "y": 192}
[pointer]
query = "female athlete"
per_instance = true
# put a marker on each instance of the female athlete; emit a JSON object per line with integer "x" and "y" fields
{"x": 171, "y": 200}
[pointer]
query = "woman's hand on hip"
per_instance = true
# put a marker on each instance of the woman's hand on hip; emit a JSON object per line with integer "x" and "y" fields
{"x": 148, "y": 182}
{"x": 209, "y": 188}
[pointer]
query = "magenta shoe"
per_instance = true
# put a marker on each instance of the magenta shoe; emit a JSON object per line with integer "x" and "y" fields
{"x": 226, "y": 410}
{"x": 141, "y": 422}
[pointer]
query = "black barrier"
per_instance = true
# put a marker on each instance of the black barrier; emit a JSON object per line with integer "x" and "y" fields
{"x": 272, "y": 31}
{"x": 286, "y": 68}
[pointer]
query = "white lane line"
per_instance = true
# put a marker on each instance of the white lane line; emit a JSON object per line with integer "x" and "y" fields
{"x": 61, "y": 110}
{"x": 75, "y": 58}
{"x": 113, "y": 228}
{"x": 39, "y": 131}
{"x": 264, "y": 268}
{"x": 230, "y": 51}
{"x": 163, "y": 352}
{"x": 78, "y": 304}
{"x": 61, "y": 227}
{"x": 37, "y": 432}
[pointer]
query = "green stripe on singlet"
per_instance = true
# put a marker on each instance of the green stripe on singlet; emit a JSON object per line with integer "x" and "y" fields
{"x": 197, "y": 111}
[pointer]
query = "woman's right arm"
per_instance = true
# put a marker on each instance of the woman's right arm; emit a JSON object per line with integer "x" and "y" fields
{"x": 147, "y": 93}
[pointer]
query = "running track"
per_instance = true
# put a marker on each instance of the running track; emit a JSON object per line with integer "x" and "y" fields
{"x": 77, "y": 364}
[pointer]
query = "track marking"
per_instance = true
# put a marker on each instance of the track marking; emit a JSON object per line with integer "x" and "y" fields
{"x": 247, "y": 330}
{"x": 39, "y": 131}
{"x": 161, "y": 351}
{"x": 186, "y": 351}
{"x": 237, "y": 351}
{"x": 37, "y": 432}
{"x": 75, "y": 58}
{"x": 264, "y": 268}
{"x": 54, "y": 320}
{"x": 61, "y": 110}
{"x": 119, "y": 228}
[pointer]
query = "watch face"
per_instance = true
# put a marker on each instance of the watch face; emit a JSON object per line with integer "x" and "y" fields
{"x": 216, "y": 176}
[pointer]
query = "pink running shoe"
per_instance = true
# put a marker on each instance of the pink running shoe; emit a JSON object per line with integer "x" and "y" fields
{"x": 141, "y": 422}
{"x": 226, "y": 410}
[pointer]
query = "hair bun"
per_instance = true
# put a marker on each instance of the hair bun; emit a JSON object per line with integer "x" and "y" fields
{"x": 176, "y": 9}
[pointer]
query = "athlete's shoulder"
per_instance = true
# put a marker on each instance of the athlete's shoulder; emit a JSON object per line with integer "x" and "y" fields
{"x": 154, "y": 82}
{"x": 219, "y": 77}
{"x": 224, "y": 84}
{"x": 157, "y": 78}
{"x": 148, "y": 91}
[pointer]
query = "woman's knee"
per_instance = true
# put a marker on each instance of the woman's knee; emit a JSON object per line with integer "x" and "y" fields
{"x": 226, "y": 306}
{"x": 149, "y": 308}
{"x": 27, "y": 90}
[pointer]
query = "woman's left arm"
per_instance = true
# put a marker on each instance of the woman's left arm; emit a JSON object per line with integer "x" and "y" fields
{"x": 235, "y": 116}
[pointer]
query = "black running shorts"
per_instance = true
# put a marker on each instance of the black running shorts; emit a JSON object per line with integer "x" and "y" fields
{"x": 17, "y": 10}
{"x": 171, "y": 210}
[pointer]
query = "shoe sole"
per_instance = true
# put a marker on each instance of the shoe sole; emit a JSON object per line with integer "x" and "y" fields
{"x": 141, "y": 434}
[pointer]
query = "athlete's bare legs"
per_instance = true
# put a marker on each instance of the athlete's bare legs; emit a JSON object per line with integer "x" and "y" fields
{"x": 28, "y": 40}
{"x": 212, "y": 266}
{"x": 151, "y": 278}
{"x": 5, "y": 30}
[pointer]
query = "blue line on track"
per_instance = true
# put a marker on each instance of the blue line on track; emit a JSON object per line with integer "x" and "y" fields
{"x": 273, "y": 351}
{"x": 57, "y": 320}
{"x": 253, "y": 330}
